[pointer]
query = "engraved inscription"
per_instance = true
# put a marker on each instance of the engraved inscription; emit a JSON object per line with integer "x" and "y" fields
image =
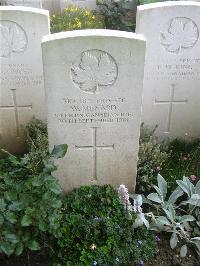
{"x": 15, "y": 107}
{"x": 98, "y": 111}
{"x": 170, "y": 102}
{"x": 180, "y": 34}
{"x": 94, "y": 149}
{"x": 94, "y": 71}
{"x": 13, "y": 38}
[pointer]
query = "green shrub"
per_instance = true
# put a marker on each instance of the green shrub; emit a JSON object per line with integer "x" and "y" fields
{"x": 116, "y": 16}
{"x": 178, "y": 214}
{"x": 152, "y": 156}
{"x": 75, "y": 18}
{"x": 29, "y": 200}
{"x": 183, "y": 161}
{"x": 93, "y": 229}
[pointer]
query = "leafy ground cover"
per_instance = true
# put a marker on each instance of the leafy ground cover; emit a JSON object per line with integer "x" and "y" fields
{"x": 77, "y": 230}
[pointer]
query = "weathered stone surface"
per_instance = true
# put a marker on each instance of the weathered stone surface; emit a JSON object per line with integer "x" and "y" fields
{"x": 93, "y": 81}
{"x": 28, "y": 3}
{"x": 172, "y": 68}
{"x": 21, "y": 72}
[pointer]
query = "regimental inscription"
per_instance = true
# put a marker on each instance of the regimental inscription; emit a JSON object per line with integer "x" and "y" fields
{"x": 94, "y": 71}
{"x": 171, "y": 102}
{"x": 94, "y": 149}
{"x": 13, "y": 38}
{"x": 99, "y": 111}
{"x": 15, "y": 107}
{"x": 180, "y": 34}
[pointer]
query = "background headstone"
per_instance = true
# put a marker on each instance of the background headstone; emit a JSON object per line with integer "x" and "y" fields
{"x": 28, "y": 3}
{"x": 21, "y": 72}
{"x": 172, "y": 67}
{"x": 93, "y": 81}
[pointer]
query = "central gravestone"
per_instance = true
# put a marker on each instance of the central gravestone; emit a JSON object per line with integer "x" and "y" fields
{"x": 172, "y": 67}
{"x": 93, "y": 81}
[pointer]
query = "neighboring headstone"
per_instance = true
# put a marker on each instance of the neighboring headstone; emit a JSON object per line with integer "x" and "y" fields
{"x": 21, "y": 72}
{"x": 172, "y": 67}
{"x": 93, "y": 81}
{"x": 28, "y": 3}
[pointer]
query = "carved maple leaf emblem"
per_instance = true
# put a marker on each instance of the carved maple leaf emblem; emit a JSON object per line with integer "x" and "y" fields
{"x": 182, "y": 33}
{"x": 13, "y": 38}
{"x": 94, "y": 71}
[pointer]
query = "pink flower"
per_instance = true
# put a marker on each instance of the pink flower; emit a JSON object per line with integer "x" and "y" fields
{"x": 193, "y": 177}
{"x": 185, "y": 158}
{"x": 158, "y": 168}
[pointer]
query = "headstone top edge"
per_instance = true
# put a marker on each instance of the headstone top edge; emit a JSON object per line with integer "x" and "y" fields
{"x": 93, "y": 33}
{"x": 167, "y": 4}
{"x": 25, "y": 9}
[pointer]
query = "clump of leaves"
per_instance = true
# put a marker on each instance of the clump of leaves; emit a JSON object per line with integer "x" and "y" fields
{"x": 75, "y": 18}
{"x": 92, "y": 229}
{"x": 37, "y": 142}
{"x": 179, "y": 214}
{"x": 183, "y": 161}
{"x": 29, "y": 201}
{"x": 151, "y": 158}
{"x": 116, "y": 16}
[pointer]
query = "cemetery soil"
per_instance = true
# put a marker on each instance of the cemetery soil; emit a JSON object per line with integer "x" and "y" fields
{"x": 165, "y": 257}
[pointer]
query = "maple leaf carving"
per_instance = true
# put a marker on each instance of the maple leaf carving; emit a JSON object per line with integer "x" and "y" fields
{"x": 94, "y": 71}
{"x": 182, "y": 33}
{"x": 13, "y": 38}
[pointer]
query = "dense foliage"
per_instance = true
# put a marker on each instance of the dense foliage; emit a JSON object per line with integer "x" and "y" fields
{"x": 75, "y": 18}
{"x": 116, "y": 14}
{"x": 151, "y": 158}
{"x": 29, "y": 199}
{"x": 184, "y": 161}
{"x": 93, "y": 230}
{"x": 177, "y": 214}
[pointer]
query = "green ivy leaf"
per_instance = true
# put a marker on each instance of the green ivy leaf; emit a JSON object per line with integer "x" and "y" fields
{"x": 2, "y": 204}
{"x": 55, "y": 188}
{"x": 26, "y": 220}
{"x": 59, "y": 151}
{"x": 7, "y": 248}
{"x": 11, "y": 217}
{"x": 19, "y": 248}
{"x": 12, "y": 238}
{"x": 1, "y": 219}
{"x": 33, "y": 245}
{"x": 10, "y": 195}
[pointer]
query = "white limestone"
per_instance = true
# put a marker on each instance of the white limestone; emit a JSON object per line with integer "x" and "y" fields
{"x": 93, "y": 81}
{"x": 28, "y": 3}
{"x": 21, "y": 79}
{"x": 172, "y": 68}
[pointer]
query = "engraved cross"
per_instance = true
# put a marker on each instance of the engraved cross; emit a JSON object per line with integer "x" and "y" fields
{"x": 170, "y": 102}
{"x": 15, "y": 107}
{"x": 94, "y": 149}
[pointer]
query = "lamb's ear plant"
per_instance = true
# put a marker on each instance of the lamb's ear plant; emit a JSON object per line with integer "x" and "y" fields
{"x": 29, "y": 201}
{"x": 180, "y": 219}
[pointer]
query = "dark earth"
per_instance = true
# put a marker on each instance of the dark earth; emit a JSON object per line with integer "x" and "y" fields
{"x": 165, "y": 257}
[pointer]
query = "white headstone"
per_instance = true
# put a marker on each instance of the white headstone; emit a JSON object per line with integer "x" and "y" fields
{"x": 21, "y": 72}
{"x": 28, "y": 3}
{"x": 93, "y": 81}
{"x": 172, "y": 67}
